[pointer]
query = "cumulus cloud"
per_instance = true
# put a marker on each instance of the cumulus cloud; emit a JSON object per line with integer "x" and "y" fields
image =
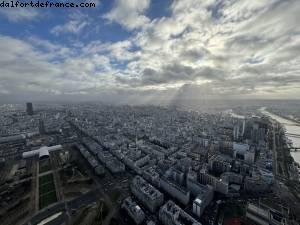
{"x": 237, "y": 46}
{"x": 76, "y": 23}
{"x": 26, "y": 70}
{"x": 129, "y": 13}
{"x": 202, "y": 48}
{"x": 175, "y": 72}
{"x": 19, "y": 14}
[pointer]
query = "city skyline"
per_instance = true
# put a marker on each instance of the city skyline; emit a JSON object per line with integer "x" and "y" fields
{"x": 90, "y": 163}
{"x": 145, "y": 50}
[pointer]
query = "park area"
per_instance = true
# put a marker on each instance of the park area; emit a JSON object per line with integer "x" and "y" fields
{"x": 47, "y": 193}
{"x": 44, "y": 166}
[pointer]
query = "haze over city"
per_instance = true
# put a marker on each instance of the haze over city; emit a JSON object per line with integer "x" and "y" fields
{"x": 142, "y": 50}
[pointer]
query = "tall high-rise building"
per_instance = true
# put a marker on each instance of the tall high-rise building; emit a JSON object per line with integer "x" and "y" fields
{"x": 29, "y": 108}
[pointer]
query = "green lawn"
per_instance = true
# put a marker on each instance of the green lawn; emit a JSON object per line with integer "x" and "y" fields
{"x": 47, "y": 194}
{"x": 47, "y": 199}
{"x": 44, "y": 166}
{"x": 47, "y": 187}
{"x": 46, "y": 179}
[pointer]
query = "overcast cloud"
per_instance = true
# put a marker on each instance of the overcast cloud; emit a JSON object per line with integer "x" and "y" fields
{"x": 211, "y": 48}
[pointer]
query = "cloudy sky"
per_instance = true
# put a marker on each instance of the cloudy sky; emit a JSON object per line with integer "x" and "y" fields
{"x": 148, "y": 50}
